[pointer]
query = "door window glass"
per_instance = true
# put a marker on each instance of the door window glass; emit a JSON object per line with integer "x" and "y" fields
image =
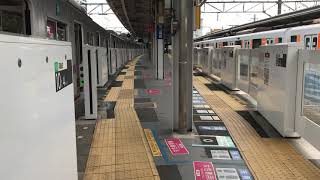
{"x": 61, "y": 31}
{"x": 56, "y": 30}
{"x": 307, "y": 43}
{"x": 314, "y": 42}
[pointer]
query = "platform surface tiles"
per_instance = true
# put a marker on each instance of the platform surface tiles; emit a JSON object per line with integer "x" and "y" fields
{"x": 135, "y": 139}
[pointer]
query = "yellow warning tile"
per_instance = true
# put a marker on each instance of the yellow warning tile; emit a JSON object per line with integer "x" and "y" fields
{"x": 120, "y": 78}
{"x": 113, "y": 94}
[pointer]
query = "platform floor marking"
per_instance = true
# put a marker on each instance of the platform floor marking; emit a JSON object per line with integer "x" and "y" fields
{"x": 267, "y": 158}
{"x": 119, "y": 148}
{"x": 152, "y": 143}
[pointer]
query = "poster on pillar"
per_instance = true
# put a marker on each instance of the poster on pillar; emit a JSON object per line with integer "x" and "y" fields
{"x": 160, "y": 31}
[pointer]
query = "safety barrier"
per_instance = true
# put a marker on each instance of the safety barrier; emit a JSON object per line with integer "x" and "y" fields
{"x": 287, "y": 95}
{"x": 37, "y": 134}
{"x": 102, "y": 66}
{"x": 90, "y": 80}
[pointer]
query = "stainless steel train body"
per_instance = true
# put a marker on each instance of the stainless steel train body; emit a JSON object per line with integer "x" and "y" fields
{"x": 62, "y": 20}
{"x": 307, "y": 36}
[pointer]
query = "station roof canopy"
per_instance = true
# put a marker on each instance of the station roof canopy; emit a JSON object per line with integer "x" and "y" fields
{"x": 135, "y": 15}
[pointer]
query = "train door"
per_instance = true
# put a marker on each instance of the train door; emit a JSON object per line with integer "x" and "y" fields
{"x": 311, "y": 42}
{"x": 78, "y": 60}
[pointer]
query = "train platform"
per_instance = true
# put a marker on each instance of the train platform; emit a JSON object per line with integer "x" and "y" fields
{"x": 143, "y": 94}
{"x": 134, "y": 139}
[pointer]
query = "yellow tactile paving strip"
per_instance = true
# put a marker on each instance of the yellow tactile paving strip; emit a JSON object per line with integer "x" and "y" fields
{"x": 120, "y": 78}
{"x": 267, "y": 158}
{"x": 235, "y": 105}
{"x": 119, "y": 148}
{"x": 113, "y": 94}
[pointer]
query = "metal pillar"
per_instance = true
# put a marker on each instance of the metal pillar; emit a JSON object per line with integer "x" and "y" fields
{"x": 279, "y": 6}
{"x": 185, "y": 38}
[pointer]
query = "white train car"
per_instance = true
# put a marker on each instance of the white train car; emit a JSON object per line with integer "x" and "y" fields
{"x": 60, "y": 21}
{"x": 307, "y": 36}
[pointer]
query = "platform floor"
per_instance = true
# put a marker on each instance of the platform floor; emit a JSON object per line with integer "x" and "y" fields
{"x": 119, "y": 149}
{"x": 134, "y": 140}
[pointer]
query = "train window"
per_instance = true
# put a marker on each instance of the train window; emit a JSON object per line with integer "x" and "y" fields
{"x": 61, "y": 31}
{"x": 15, "y": 17}
{"x": 270, "y": 41}
{"x": 307, "y": 42}
{"x": 51, "y": 29}
{"x": 225, "y": 44}
{"x": 56, "y": 30}
{"x": 238, "y": 42}
{"x": 293, "y": 39}
{"x": 216, "y": 45}
{"x": 256, "y": 43}
{"x": 280, "y": 40}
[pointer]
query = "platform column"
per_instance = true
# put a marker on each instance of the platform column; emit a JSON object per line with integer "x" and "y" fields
{"x": 182, "y": 53}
